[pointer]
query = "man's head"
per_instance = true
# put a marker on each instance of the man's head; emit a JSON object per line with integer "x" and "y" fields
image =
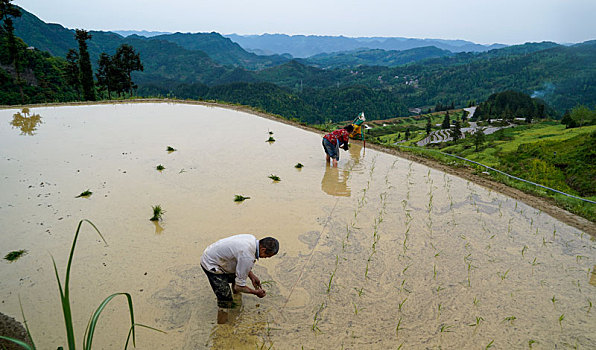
{"x": 349, "y": 128}
{"x": 268, "y": 247}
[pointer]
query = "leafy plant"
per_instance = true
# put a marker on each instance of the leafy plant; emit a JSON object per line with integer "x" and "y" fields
{"x": 66, "y": 307}
{"x": 270, "y": 139}
{"x": 157, "y": 213}
{"x": 86, "y": 193}
{"x": 299, "y": 166}
{"x": 14, "y": 255}
{"x": 274, "y": 178}
{"x": 160, "y": 167}
{"x": 239, "y": 198}
{"x": 171, "y": 149}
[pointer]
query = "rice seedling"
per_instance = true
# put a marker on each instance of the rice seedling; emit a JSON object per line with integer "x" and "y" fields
{"x": 561, "y": 318}
{"x": 171, "y": 149}
{"x": 503, "y": 275}
{"x": 355, "y": 308}
{"x": 475, "y": 301}
{"x": 270, "y": 139}
{"x": 445, "y": 328}
{"x": 397, "y": 328}
{"x": 531, "y": 342}
{"x": 589, "y": 305}
{"x": 270, "y": 132}
{"x": 554, "y": 300}
{"x": 401, "y": 305}
{"x": 489, "y": 345}
{"x": 524, "y": 250}
{"x": 509, "y": 319}
{"x": 359, "y": 291}
{"x": 240, "y": 198}
{"x": 160, "y": 167}
{"x": 316, "y": 318}
{"x": 84, "y": 194}
{"x": 274, "y": 178}
{"x": 15, "y": 255}
{"x": 477, "y": 323}
{"x": 157, "y": 212}
{"x": 439, "y": 310}
{"x": 299, "y": 166}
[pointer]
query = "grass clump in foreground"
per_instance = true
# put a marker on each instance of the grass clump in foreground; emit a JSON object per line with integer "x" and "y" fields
{"x": 274, "y": 178}
{"x": 160, "y": 167}
{"x": 84, "y": 194}
{"x": 171, "y": 149}
{"x": 15, "y": 255}
{"x": 157, "y": 213}
{"x": 239, "y": 198}
{"x": 67, "y": 312}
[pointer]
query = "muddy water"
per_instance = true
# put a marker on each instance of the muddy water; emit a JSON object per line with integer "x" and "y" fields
{"x": 375, "y": 254}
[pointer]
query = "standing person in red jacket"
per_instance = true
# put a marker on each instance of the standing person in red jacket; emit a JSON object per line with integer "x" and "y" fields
{"x": 334, "y": 140}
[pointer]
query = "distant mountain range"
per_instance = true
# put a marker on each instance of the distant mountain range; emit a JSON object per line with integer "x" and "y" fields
{"x": 303, "y": 46}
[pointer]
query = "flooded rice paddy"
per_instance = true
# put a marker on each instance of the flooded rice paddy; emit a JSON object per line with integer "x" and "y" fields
{"x": 379, "y": 253}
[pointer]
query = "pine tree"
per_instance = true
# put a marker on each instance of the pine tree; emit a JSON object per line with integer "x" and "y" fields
{"x": 446, "y": 122}
{"x": 428, "y": 126}
{"x": 407, "y": 134}
{"x": 456, "y": 131}
{"x": 9, "y": 11}
{"x": 478, "y": 138}
{"x": 86, "y": 72}
{"x": 127, "y": 60}
{"x": 72, "y": 71}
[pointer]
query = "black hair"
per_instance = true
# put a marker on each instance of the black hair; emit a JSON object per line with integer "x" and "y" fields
{"x": 270, "y": 244}
{"x": 349, "y": 128}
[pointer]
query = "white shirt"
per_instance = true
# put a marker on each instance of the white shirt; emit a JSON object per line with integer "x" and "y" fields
{"x": 236, "y": 254}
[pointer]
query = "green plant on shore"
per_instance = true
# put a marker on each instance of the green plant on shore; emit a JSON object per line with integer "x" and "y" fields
{"x": 86, "y": 193}
{"x": 67, "y": 311}
{"x": 157, "y": 213}
{"x": 240, "y": 198}
{"x": 274, "y": 178}
{"x": 299, "y": 166}
{"x": 270, "y": 139}
{"x": 15, "y": 255}
{"x": 171, "y": 149}
{"x": 160, "y": 167}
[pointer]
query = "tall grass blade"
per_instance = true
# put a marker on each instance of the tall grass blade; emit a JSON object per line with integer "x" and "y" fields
{"x": 131, "y": 331}
{"x": 88, "y": 338}
{"x": 18, "y": 342}
{"x": 64, "y": 292}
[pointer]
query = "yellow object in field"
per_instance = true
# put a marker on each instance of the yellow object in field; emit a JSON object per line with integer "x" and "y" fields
{"x": 357, "y": 133}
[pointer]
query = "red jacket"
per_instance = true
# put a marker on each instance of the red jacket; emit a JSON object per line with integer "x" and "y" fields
{"x": 341, "y": 135}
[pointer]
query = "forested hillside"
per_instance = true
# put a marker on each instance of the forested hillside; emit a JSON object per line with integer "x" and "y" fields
{"x": 385, "y": 84}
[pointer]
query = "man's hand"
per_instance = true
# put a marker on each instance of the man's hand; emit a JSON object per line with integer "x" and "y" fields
{"x": 260, "y": 293}
{"x": 256, "y": 282}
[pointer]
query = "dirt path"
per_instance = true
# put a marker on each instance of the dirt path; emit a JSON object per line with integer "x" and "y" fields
{"x": 546, "y": 205}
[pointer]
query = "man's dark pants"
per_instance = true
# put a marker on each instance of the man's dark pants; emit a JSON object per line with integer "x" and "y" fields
{"x": 220, "y": 283}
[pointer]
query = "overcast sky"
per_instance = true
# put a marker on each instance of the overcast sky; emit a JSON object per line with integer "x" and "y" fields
{"x": 480, "y": 21}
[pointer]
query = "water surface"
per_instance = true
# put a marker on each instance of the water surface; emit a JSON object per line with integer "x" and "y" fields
{"x": 377, "y": 253}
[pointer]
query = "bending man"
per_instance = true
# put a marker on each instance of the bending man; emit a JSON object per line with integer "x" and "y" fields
{"x": 230, "y": 260}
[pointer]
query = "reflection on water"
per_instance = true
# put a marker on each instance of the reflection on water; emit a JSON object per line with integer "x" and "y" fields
{"x": 158, "y": 228}
{"x": 26, "y": 122}
{"x": 335, "y": 182}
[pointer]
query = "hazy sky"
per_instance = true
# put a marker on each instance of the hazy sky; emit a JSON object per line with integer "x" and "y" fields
{"x": 480, "y": 21}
